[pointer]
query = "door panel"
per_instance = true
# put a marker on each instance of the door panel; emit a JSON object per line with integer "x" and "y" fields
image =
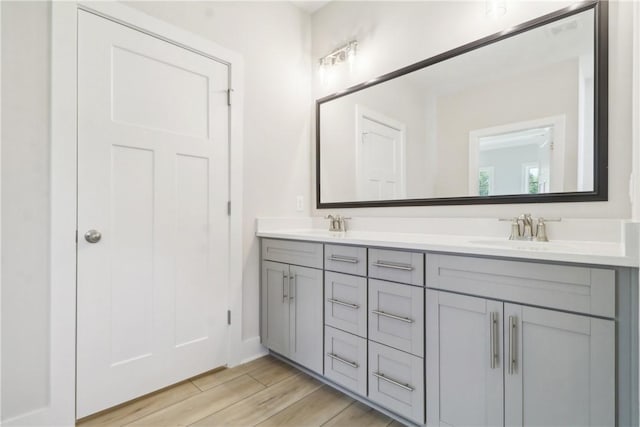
{"x": 306, "y": 309}
{"x": 463, "y": 386}
{"x": 153, "y": 179}
{"x": 563, "y": 368}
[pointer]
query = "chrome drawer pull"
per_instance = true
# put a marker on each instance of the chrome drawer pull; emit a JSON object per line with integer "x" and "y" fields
{"x": 392, "y": 316}
{"x": 395, "y": 266}
{"x": 346, "y": 304}
{"x": 390, "y": 381}
{"x": 513, "y": 360}
{"x": 340, "y": 359}
{"x": 340, "y": 258}
{"x": 493, "y": 338}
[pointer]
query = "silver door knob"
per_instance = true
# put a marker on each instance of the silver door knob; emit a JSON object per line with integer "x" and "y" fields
{"x": 92, "y": 236}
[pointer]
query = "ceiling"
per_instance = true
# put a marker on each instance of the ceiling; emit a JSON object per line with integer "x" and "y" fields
{"x": 310, "y": 6}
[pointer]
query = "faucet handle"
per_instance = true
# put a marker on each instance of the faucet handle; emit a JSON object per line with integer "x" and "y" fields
{"x": 342, "y": 223}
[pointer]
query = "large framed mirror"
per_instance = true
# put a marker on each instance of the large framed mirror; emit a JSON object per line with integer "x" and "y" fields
{"x": 516, "y": 117}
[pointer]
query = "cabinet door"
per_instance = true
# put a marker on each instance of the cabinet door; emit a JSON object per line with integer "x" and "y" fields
{"x": 464, "y": 363}
{"x": 559, "y": 368}
{"x": 306, "y": 325}
{"x": 275, "y": 306}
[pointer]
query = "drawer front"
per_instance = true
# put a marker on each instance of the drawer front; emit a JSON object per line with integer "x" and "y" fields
{"x": 291, "y": 252}
{"x": 396, "y": 316}
{"x": 346, "y": 259}
{"x": 396, "y": 381}
{"x": 397, "y": 266}
{"x": 345, "y": 360}
{"x": 345, "y": 305}
{"x": 565, "y": 287}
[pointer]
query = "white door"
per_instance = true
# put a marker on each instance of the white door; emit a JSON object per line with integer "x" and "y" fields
{"x": 381, "y": 157}
{"x": 153, "y": 180}
{"x": 464, "y": 363}
{"x": 559, "y": 368}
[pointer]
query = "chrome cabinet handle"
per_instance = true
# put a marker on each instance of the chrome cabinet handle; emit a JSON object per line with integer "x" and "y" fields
{"x": 392, "y": 265}
{"x": 392, "y": 316}
{"x": 346, "y": 304}
{"x": 391, "y": 381}
{"x": 340, "y": 359}
{"x": 92, "y": 236}
{"x": 493, "y": 334}
{"x": 285, "y": 278}
{"x": 513, "y": 359}
{"x": 341, "y": 258}
{"x": 292, "y": 278}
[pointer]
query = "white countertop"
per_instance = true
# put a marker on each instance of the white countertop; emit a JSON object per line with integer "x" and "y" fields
{"x": 586, "y": 252}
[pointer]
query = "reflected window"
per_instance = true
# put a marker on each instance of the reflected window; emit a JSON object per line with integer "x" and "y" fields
{"x": 485, "y": 181}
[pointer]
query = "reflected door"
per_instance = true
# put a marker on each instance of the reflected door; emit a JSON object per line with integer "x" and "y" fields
{"x": 152, "y": 179}
{"x": 380, "y": 157}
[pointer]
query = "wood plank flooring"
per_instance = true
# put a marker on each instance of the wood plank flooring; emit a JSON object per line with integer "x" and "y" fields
{"x": 265, "y": 392}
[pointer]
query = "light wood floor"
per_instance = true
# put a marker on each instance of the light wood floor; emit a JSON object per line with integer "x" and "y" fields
{"x": 264, "y": 392}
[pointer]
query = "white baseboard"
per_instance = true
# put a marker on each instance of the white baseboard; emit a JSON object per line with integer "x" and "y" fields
{"x": 251, "y": 349}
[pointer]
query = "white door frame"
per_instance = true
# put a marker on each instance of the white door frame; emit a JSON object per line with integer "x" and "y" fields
{"x": 61, "y": 409}
{"x": 557, "y": 162}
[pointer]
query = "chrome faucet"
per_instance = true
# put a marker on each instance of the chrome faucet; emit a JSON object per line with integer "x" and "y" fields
{"x": 522, "y": 228}
{"x": 337, "y": 222}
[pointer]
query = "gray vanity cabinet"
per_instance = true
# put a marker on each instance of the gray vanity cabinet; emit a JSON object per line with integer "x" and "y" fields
{"x": 292, "y": 303}
{"x": 464, "y": 364}
{"x": 275, "y": 306}
{"x": 560, "y": 368}
{"x": 553, "y": 368}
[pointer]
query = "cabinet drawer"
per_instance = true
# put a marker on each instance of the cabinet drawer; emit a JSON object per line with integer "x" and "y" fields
{"x": 346, "y": 259}
{"x": 565, "y": 287}
{"x": 292, "y": 252}
{"x": 397, "y": 266}
{"x": 345, "y": 360}
{"x": 396, "y": 381}
{"x": 345, "y": 305}
{"x": 396, "y": 316}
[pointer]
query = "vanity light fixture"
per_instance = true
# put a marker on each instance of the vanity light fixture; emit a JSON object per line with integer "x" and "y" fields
{"x": 496, "y": 8}
{"x": 346, "y": 53}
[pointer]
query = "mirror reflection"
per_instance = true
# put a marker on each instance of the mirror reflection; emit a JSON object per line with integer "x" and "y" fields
{"x": 513, "y": 117}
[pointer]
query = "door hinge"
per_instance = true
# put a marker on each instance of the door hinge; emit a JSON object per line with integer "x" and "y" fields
{"x": 228, "y": 317}
{"x": 229, "y": 96}
{"x": 229, "y": 208}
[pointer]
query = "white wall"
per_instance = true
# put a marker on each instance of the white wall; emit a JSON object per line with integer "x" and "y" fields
{"x": 395, "y": 34}
{"x": 546, "y": 92}
{"x": 25, "y": 202}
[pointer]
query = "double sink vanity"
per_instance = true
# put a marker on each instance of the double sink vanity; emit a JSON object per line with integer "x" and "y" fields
{"x": 447, "y": 330}
{"x": 436, "y": 327}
